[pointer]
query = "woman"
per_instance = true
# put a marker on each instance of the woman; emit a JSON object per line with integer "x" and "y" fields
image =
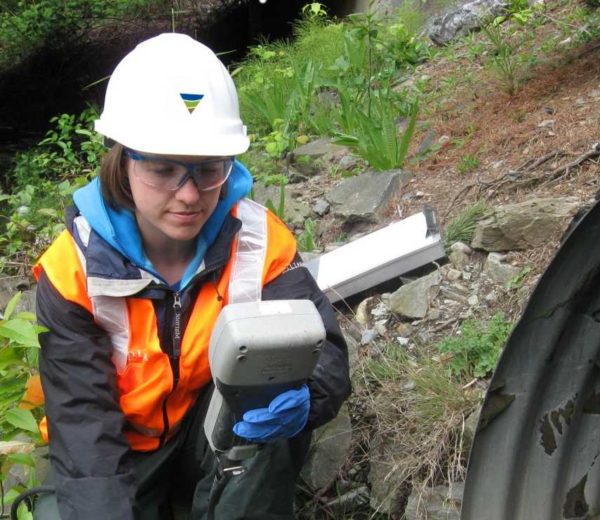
{"x": 130, "y": 292}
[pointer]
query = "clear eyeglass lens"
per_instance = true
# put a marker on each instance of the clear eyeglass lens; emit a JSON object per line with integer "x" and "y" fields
{"x": 168, "y": 175}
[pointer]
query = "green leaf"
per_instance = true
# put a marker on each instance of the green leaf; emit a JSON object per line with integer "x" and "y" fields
{"x": 26, "y": 315}
{"x": 24, "y": 514}
{"x": 20, "y": 331}
{"x": 22, "y": 419}
{"x": 10, "y": 307}
{"x": 47, "y": 212}
{"x": 26, "y": 459}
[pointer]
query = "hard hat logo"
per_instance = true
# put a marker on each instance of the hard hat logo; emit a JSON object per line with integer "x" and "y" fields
{"x": 191, "y": 101}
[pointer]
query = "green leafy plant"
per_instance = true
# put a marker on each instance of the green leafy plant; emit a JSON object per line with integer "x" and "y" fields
{"x": 19, "y": 348}
{"x": 280, "y": 209}
{"x": 306, "y": 239}
{"x": 35, "y": 218}
{"x": 276, "y": 143}
{"x": 27, "y": 26}
{"x": 518, "y": 280}
{"x": 69, "y": 149}
{"x": 509, "y": 60}
{"x": 467, "y": 163}
{"x": 43, "y": 180}
{"x": 376, "y": 137}
{"x": 20, "y": 397}
{"x": 475, "y": 352}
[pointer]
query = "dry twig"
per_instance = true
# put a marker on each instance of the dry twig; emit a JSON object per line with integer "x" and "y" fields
{"x": 523, "y": 176}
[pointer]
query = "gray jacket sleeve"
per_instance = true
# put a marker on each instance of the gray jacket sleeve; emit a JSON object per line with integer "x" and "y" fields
{"x": 330, "y": 383}
{"x": 88, "y": 450}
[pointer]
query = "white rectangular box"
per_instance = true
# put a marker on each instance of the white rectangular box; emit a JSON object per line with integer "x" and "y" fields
{"x": 379, "y": 256}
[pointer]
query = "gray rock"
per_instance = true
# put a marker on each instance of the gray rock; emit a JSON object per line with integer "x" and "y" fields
{"x": 11, "y": 285}
{"x": 318, "y": 148}
{"x": 371, "y": 308}
{"x": 321, "y": 207}
{"x": 362, "y": 315}
{"x": 473, "y": 300}
{"x": 438, "y": 503}
{"x": 525, "y": 225}
{"x": 309, "y": 158}
{"x": 359, "y": 199}
{"x": 380, "y": 327}
{"x": 492, "y": 296}
{"x": 453, "y": 275}
{"x": 547, "y": 123}
{"x": 347, "y": 163}
{"x": 470, "y": 427}
{"x": 295, "y": 211}
{"x": 328, "y": 451}
{"x": 498, "y": 271}
{"x": 404, "y": 329}
{"x": 353, "y": 348}
{"x": 385, "y": 479}
{"x": 350, "y": 501}
{"x": 412, "y": 300}
{"x": 460, "y": 255}
{"x": 27, "y": 301}
{"x": 465, "y": 19}
{"x": 368, "y": 336}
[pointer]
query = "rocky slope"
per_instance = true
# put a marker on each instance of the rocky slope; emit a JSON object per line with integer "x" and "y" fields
{"x": 531, "y": 158}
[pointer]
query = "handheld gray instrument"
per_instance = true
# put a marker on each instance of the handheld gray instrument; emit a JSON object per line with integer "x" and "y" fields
{"x": 257, "y": 351}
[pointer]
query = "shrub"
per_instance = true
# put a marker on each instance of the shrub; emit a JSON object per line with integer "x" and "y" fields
{"x": 27, "y": 26}
{"x": 373, "y": 132}
{"x": 43, "y": 179}
{"x": 69, "y": 149}
{"x": 475, "y": 352}
{"x": 20, "y": 399}
{"x": 336, "y": 79}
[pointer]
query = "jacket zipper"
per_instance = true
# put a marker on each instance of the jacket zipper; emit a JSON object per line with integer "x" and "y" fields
{"x": 174, "y": 358}
{"x": 176, "y": 337}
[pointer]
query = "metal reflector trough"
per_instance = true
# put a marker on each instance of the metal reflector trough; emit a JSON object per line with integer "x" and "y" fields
{"x": 379, "y": 256}
{"x": 536, "y": 452}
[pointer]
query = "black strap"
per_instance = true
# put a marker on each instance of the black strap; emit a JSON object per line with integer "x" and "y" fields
{"x": 40, "y": 490}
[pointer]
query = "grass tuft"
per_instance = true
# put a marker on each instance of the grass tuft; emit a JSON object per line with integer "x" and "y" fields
{"x": 461, "y": 229}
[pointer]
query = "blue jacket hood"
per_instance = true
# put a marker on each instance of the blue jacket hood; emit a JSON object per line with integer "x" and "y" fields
{"x": 119, "y": 227}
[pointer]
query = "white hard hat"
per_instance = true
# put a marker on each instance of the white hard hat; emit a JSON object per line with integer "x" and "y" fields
{"x": 171, "y": 95}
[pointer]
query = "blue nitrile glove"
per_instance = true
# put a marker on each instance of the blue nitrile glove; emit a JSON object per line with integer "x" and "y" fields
{"x": 285, "y": 417}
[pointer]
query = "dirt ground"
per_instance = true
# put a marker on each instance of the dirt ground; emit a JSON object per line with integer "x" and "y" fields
{"x": 526, "y": 144}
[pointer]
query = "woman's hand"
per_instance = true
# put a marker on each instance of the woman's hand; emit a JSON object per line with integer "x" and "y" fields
{"x": 285, "y": 417}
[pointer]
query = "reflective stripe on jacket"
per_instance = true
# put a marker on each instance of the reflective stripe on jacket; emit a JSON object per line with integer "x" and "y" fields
{"x": 158, "y": 385}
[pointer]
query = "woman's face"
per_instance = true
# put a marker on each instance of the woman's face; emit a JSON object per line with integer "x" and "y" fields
{"x": 176, "y": 216}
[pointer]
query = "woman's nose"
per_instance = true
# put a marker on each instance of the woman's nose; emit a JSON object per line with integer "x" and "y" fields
{"x": 188, "y": 192}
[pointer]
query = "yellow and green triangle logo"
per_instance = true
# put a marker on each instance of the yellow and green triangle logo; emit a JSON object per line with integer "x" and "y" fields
{"x": 191, "y": 100}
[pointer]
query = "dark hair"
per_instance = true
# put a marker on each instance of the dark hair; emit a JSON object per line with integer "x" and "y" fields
{"x": 114, "y": 179}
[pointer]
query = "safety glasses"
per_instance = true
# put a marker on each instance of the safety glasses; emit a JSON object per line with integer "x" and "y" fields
{"x": 170, "y": 175}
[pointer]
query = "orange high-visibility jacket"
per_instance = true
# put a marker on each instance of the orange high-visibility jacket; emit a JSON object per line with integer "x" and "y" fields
{"x": 156, "y": 388}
